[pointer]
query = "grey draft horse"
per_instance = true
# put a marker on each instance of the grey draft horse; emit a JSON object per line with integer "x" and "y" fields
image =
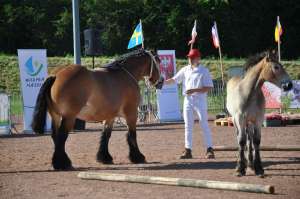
{"x": 246, "y": 105}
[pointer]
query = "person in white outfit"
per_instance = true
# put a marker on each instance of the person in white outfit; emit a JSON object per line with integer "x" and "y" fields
{"x": 196, "y": 82}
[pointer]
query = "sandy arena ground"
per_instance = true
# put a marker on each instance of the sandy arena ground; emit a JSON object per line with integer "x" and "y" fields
{"x": 26, "y": 172}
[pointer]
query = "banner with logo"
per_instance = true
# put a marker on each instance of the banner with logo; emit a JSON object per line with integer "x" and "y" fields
{"x": 167, "y": 98}
{"x": 33, "y": 72}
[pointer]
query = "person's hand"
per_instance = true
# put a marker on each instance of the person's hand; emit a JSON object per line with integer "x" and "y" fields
{"x": 190, "y": 91}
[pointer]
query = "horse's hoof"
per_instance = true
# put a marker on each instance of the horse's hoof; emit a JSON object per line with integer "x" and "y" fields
{"x": 137, "y": 158}
{"x": 61, "y": 162}
{"x": 240, "y": 174}
{"x": 105, "y": 159}
{"x": 260, "y": 173}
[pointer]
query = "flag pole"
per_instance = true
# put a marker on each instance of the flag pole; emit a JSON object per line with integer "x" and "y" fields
{"x": 142, "y": 34}
{"x": 147, "y": 89}
{"x": 222, "y": 71}
{"x": 220, "y": 56}
{"x": 278, "y": 43}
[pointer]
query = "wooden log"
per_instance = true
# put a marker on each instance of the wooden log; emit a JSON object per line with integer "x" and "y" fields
{"x": 233, "y": 186}
{"x": 262, "y": 148}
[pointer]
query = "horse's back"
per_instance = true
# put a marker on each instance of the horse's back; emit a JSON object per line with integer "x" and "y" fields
{"x": 71, "y": 88}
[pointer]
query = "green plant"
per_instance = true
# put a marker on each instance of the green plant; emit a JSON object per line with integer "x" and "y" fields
{"x": 286, "y": 102}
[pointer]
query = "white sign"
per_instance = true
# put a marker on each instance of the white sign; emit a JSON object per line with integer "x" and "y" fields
{"x": 167, "y": 98}
{"x": 33, "y": 72}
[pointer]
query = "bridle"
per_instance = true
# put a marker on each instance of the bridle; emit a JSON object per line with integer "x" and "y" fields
{"x": 147, "y": 77}
{"x": 153, "y": 62}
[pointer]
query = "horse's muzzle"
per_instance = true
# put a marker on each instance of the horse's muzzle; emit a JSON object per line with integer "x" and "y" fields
{"x": 286, "y": 86}
{"x": 160, "y": 83}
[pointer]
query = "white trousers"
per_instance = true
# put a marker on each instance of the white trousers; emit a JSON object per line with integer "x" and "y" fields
{"x": 191, "y": 104}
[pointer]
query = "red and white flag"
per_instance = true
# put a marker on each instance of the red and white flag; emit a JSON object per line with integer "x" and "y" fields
{"x": 194, "y": 34}
{"x": 215, "y": 36}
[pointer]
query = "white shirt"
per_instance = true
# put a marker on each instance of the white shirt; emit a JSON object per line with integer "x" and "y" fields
{"x": 191, "y": 78}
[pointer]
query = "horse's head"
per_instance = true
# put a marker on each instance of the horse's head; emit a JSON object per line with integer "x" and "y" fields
{"x": 274, "y": 72}
{"x": 153, "y": 77}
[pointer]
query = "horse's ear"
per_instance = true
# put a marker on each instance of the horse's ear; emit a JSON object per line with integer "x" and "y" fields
{"x": 268, "y": 56}
{"x": 153, "y": 51}
{"x": 275, "y": 54}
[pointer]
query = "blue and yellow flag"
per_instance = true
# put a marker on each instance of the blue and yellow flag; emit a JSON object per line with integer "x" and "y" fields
{"x": 137, "y": 37}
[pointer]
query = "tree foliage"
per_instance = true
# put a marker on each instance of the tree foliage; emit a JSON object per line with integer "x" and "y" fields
{"x": 245, "y": 27}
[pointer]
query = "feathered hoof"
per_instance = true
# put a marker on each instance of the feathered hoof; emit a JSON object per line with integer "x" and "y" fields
{"x": 61, "y": 162}
{"x": 104, "y": 158}
{"x": 137, "y": 158}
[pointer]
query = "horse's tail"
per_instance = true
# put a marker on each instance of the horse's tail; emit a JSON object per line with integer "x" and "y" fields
{"x": 40, "y": 110}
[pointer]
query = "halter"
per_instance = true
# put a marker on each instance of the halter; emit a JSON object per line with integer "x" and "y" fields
{"x": 153, "y": 62}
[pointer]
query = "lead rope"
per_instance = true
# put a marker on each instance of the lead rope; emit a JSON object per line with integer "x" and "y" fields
{"x": 134, "y": 79}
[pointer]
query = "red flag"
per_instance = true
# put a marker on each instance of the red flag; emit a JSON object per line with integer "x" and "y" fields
{"x": 194, "y": 34}
{"x": 215, "y": 36}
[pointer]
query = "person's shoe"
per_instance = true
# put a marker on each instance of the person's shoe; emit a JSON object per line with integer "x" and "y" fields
{"x": 187, "y": 154}
{"x": 210, "y": 153}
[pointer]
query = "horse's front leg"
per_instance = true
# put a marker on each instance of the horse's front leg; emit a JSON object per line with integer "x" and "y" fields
{"x": 135, "y": 155}
{"x": 259, "y": 171}
{"x": 249, "y": 132}
{"x": 241, "y": 138}
{"x": 103, "y": 153}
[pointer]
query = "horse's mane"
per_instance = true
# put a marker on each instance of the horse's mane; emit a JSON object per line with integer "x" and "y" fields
{"x": 253, "y": 60}
{"x": 120, "y": 61}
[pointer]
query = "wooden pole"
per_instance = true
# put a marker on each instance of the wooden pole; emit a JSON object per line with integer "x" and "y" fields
{"x": 222, "y": 70}
{"x": 278, "y": 43}
{"x": 262, "y": 148}
{"x": 220, "y": 55}
{"x": 233, "y": 186}
{"x": 142, "y": 35}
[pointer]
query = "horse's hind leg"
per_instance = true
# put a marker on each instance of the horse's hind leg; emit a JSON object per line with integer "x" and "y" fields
{"x": 241, "y": 137}
{"x": 103, "y": 153}
{"x": 257, "y": 161}
{"x": 60, "y": 159}
{"x": 249, "y": 132}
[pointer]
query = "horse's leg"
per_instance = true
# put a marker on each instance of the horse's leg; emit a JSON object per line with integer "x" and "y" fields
{"x": 257, "y": 161}
{"x": 241, "y": 137}
{"x": 60, "y": 159}
{"x": 135, "y": 155}
{"x": 249, "y": 132}
{"x": 103, "y": 153}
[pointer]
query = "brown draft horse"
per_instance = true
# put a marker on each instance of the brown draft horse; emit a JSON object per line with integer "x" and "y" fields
{"x": 95, "y": 95}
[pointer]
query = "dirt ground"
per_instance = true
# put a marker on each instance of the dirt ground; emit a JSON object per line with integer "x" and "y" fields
{"x": 26, "y": 172}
